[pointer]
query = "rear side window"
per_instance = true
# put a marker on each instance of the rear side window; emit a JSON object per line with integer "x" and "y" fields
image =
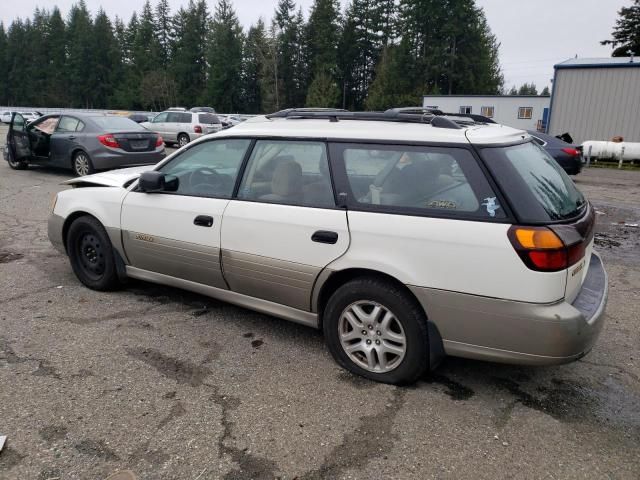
{"x": 421, "y": 180}
{"x": 537, "y": 186}
{"x": 67, "y": 124}
{"x": 208, "y": 118}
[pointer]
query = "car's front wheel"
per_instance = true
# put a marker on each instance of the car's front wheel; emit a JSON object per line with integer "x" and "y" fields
{"x": 91, "y": 254}
{"x": 82, "y": 164}
{"x": 377, "y": 330}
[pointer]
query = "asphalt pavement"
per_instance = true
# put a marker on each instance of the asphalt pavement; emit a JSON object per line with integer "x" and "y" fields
{"x": 173, "y": 385}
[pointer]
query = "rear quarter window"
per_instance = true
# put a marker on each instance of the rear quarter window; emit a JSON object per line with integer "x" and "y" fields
{"x": 434, "y": 181}
{"x": 538, "y": 188}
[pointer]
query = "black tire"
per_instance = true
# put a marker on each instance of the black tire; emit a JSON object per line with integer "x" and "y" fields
{"x": 16, "y": 164}
{"x": 406, "y": 311}
{"x": 81, "y": 164}
{"x": 183, "y": 139}
{"x": 91, "y": 255}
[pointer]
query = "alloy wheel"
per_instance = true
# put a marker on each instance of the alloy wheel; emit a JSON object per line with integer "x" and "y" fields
{"x": 372, "y": 336}
{"x": 81, "y": 164}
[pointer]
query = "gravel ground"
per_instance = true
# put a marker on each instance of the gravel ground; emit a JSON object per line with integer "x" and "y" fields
{"x": 174, "y": 385}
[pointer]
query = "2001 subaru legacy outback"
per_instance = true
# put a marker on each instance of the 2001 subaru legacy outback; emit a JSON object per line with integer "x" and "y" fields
{"x": 404, "y": 235}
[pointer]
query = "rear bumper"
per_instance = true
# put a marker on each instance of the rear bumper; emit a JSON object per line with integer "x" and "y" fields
{"x": 109, "y": 160}
{"x": 520, "y": 333}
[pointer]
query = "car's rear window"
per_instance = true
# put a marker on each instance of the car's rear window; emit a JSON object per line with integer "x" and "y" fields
{"x": 537, "y": 186}
{"x": 208, "y": 118}
{"x": 116, "y": 124}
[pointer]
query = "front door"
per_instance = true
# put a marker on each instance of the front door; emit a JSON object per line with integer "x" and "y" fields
{"x": 18, "y": 139}
{"x": 284, "y": 227}
{"x": 178, "y": 233}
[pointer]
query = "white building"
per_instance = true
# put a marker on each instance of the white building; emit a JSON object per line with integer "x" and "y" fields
{"x": 526, "y": 112}
{"x": 596, "y": 99}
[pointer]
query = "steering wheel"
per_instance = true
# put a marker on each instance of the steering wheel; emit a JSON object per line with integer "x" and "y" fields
{"x": 205, "y": 180}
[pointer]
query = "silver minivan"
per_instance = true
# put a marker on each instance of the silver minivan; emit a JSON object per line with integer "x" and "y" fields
{"x": 182, "y": 127}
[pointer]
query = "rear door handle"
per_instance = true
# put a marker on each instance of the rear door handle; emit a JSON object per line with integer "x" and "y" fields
{"x": 324, "y": 236}
{"x": 203, "y": 221}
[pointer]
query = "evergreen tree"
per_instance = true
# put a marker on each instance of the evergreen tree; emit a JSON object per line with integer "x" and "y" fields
{"x": 189, "y": 63}
{"x": 322, "y": 91}
{"x": 322, "y": 34}
{"x": 391, "y": 88}
{"x": 545, "y": 92}
{"x": 106, "y": 58}
{"x": 3, "y": 65}
{"x": 163, "y": 28}
{"x": 254, "y": 59}
{"x": 225, "y": 59}
{"x": 528, "y": 89}
{"x": 626, "y": 33}
{"x": 17, "y": 89}
{"x": 56, "y": 92}
{"x": 513, "y": 91}
{"x": 80, "y": 62}
{"x": 127, "y": 90}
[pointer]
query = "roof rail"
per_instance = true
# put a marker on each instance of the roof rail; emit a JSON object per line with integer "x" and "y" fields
{"x": 426, "y": 115}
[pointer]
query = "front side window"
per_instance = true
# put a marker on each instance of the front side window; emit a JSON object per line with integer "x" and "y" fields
{"x": 537, "y": 186}
{"x": 525, "y": 113}
{"x": 288, "y": 172}
{"x": 421, "y": 180}
{"x": 466, "y": 110}
{"x": 67, "y": 124}
{"x": 208, "y": 169}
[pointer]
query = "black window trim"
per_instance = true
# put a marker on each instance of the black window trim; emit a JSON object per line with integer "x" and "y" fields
{"x": 342, "y": 184}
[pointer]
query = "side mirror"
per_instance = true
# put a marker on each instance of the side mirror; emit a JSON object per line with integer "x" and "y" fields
{"x": 154, "y": 181}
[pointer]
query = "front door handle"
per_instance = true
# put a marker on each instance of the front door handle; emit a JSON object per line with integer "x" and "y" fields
{"x": 203, "y": 221}
{"x": 323, "y": 236}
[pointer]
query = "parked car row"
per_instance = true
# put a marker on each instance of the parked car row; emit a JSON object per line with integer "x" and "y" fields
{"x": 5, "y": 116}
{"x": 177, "y": 126}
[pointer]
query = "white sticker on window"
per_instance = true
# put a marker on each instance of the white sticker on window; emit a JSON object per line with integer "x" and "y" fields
{"x": 492, "y": 206}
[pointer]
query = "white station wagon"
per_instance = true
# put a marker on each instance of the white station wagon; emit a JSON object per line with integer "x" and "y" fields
{"x": 404, "y": 235}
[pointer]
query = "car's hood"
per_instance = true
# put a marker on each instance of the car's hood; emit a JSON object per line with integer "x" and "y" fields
{"x": 112, "y": 178}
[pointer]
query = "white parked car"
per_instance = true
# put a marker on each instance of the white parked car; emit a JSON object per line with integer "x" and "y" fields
{"x": 5, "y": 116}
{"x": 182, "y": 127}
{"x": 404, "y": 236}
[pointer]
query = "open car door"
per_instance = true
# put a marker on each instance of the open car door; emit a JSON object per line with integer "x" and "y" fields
{"x": 18, "y": 141}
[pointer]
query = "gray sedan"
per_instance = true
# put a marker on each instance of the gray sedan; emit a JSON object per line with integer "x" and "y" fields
{"x": 83, "y": 142}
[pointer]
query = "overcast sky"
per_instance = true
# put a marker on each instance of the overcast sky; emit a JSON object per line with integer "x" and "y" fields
{"x": 534, "y": 34}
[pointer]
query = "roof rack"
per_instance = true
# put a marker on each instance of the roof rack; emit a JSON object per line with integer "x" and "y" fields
{"x": 434, "y": 117}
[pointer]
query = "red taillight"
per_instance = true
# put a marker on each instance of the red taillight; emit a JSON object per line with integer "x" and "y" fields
{"x": 108, "y": 140}
{"x": 571, "y": 151}
{"x": 542, "y": 250}
{"x": 197, "y": 129}
{"x": 159, "y": 141}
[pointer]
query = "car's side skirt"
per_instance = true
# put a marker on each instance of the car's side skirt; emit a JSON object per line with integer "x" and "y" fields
{"x": 252, "y": 303}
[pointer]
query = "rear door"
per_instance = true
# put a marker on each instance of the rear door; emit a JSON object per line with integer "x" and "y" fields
{"x": 18, "y": 138}
{"x": 178, "y": 233}
{"x": 284, "y": 227}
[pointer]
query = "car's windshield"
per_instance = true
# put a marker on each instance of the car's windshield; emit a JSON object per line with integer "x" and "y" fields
{"x": 537, "y": 186}
{"x": 116, "y": 124}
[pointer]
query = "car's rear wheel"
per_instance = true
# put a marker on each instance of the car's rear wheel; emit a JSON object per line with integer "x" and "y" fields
{"x": 91, "y": 254}
{"x": 16, "y": 164}
{"x": 375, "y": 329}
{"x": 82, "y": 164}
{"x": 183, "y": 139}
